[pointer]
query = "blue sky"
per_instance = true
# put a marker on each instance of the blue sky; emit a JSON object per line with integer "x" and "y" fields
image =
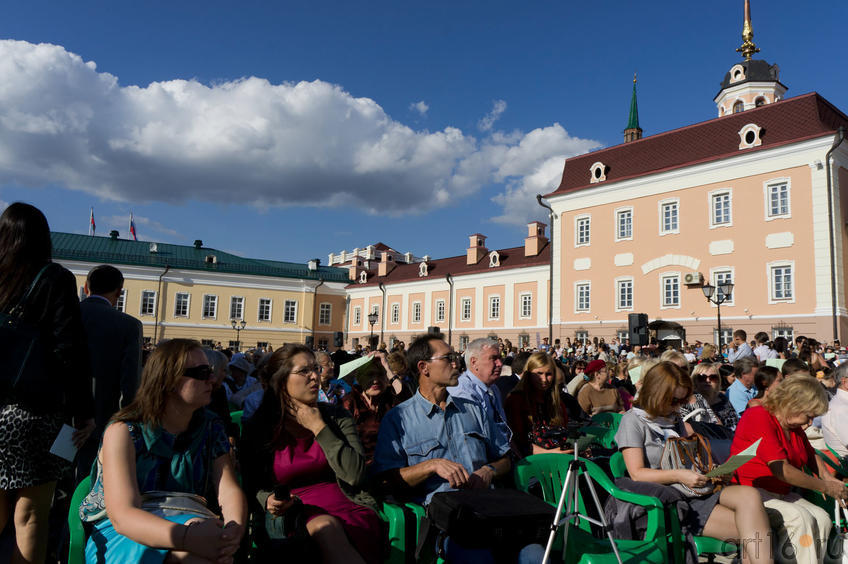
{"x": 289, "y": 130}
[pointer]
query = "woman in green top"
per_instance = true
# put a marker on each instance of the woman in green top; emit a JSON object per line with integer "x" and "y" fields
{"x": 166, "y": 441}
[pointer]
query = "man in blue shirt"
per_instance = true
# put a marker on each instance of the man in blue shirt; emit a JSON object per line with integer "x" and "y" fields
{"x": 433, "y": 441}
{"x": 741, "y": 349}
{"x": 742, "y": 390}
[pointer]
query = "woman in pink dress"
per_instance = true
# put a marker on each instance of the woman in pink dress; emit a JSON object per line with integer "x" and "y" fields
{"x": 313, "y": 450}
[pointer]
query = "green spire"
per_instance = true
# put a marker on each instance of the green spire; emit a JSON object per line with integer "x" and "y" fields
{"x": 633, "y": 121}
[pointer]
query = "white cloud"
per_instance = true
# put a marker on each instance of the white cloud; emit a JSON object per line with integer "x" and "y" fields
{"x": 420, "y": 107}
{"x": 245, "y": 141}
{"x": 488, "y": 121}
{"x": 3, "y": 205}
{"x": 143, "y": 226}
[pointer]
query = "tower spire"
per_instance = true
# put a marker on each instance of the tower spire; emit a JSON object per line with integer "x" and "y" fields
{"x": 748, "y": 48}
{"x": 633, "y": 132}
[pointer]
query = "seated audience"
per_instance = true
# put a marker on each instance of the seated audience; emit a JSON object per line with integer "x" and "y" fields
{"x": 766, "y": 377}
{"x": 743, "y": 390}
{"x": 165, "y": 440}
{"x": 597, "y": 396}
{"x": 239, "y": 384}
{"x": 707, "y": 382}
{"x": 741, "y": 349}
{"x": 762, "y": 351}
{"x": 835, "y": 421}
{"x": 795, "y": 367}
{"x": 783, "y": 453}
{"x": 735, "y": 512}
{"x": 709, "y": 353}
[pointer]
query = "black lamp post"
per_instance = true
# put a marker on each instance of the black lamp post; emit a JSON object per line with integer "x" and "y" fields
{"x": 372, "y": 319}
{"x": 725, "y": 289}
{"x": 238, "y": 326}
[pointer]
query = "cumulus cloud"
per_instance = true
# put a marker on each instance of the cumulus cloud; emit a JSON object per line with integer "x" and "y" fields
{"x": 488, "y": 121}
{"x": 421, "y": 107}
{"x": 143, "y": 225}
{"x": 245, "y": 141}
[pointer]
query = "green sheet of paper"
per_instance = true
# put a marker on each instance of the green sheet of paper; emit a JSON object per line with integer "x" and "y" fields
{"x": 735, "y": 461}
{"x": 635, "y": 374}
{"x": 348, "y": 368}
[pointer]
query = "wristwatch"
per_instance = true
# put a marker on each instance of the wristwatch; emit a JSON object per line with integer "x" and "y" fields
{"x": 490, "y": 467}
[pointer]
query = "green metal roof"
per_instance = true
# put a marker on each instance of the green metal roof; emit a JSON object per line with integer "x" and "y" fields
{"x": 633, "y": 120}
{"x": 71, "y": 246}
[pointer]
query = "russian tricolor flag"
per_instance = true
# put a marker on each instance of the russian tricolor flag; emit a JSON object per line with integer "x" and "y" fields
{"x": 132, "y": 228}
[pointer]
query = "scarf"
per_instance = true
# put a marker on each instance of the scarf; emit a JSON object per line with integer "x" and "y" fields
{"x": 666, "y": 427}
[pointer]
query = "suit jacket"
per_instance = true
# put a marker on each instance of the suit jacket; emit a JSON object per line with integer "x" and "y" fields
{"x": 114, "y": 344}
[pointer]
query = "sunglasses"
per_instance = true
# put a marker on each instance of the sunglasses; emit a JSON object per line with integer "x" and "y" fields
{"x": 202, "y": 372}
{"x": 705, "y": 377}
{"x": 452, "y": 358}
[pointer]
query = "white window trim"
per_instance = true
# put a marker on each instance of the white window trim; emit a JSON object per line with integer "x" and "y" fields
{"x": 618, "y": 306}
{"x": 732, "y": 301}
{"x": 767, "y": 198}
{"x": 663, "y": 277}
{"x": 577, "y": 220}
{"x": 711, "y": 210}
{"x": 395, "y": 308}
{"x": 412, "y": 313}
{"x": 270, "y": 310}
{"x": 777, "y": 263}
{"x": 356, "y": 318}
{"x": 462, "y": 309}
{"x": 660, "y": 205}
{"x": 122, "y": 301}
{"x": 577, "y": 296}
{"x": 242, "y": 307}
{"x": 330, "y": 322}
{"x": 188, "y": 304}
{"x": 375, "y": 308}
{"x": 444, "y": 311}
{"x": 203, "y": 307}
{"x": 615, "y": 217}
{"x": 500, "y": 307}
{"x": 521, "y": 305}
{"x": 296, "y": 307}
{"x": 141, "y": 303}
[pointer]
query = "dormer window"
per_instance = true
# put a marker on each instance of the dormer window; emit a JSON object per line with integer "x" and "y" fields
{"x": 422, "y": 270}
{"x": 760, "y": 101}
{"x": 737, "y": 73}
{"x": 494, "y": 259}
{"x": 750, "y": 136}
{"x": 738, "y": 106}
{"x": 363, "y": 277}
{"x": 598, "y": 172}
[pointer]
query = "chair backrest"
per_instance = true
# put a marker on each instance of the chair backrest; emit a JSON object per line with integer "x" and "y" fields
{"x": 235, "y": 417}
{"x": 608, "y": 419}
{"x": 617, "y": 466}
{"x": 76, "y": 546}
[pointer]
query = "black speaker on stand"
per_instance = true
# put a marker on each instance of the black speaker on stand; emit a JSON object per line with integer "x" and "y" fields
{"x": 637, "y": 329}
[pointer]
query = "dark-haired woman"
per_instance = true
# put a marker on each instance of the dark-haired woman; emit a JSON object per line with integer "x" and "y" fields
{"x": 30, "y": 423}
{"x": 315, "y": 451}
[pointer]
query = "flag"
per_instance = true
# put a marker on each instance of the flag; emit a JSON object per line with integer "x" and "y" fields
{"x": 132, "y": 228}
{"x": 91, "y": 226}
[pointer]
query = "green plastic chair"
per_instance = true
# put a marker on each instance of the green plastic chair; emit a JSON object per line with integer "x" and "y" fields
{"x": 549, "y": 470}
{"x": 705, "y": 545}
{"x": 236, "y": 416}
{"x": 399, "y": 544}
{"x": 76, "y": 545}
{"x": 603, "y": 428}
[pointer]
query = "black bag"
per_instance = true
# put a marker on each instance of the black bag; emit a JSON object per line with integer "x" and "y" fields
{"x": 496, "y": 519}
{"x": 24, "y": 375}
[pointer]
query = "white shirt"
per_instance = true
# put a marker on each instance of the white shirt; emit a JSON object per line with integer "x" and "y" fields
{"x": 835, "y": 423}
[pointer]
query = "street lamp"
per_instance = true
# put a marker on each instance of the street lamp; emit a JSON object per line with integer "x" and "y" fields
{"x": 725, "y": 289}
{"x": 372, "y": 319}
{"x": 238, "y": 326}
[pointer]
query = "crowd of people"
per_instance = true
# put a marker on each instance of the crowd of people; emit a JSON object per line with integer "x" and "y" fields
{"x": 201, "y": 455}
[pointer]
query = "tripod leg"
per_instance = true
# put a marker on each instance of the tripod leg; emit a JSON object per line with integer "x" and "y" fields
{"x": 603, "y": 519}
{"x": 563, "y": 497}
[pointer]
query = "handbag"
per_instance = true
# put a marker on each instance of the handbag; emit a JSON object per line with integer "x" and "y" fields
{"x": 169, "y": 504}
{"x": 549, "y": 436}
{"x": 23, "y": 351}
{"x": 689, "y": 453}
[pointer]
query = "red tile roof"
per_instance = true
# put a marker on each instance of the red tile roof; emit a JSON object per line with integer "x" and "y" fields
{"x": 438, "y": 268}
{"x": 788, "y": 121}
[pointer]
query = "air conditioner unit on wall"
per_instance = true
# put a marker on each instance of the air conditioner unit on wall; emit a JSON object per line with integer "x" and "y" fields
{"x": 693, "y": 278}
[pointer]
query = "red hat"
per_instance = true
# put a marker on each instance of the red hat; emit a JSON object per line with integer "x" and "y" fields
{"x": 594, "y": 366}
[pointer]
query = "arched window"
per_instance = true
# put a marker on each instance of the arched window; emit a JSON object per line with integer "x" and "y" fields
{"x": 760, "y": 102}
{"x": 738, "y": 106}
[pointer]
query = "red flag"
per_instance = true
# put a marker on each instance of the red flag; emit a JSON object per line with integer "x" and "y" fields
{"x": 132, "y": 228}
{"x": 91, "y": 226}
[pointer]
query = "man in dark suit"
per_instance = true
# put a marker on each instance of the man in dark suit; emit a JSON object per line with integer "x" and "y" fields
{"x": 114, "y": 344}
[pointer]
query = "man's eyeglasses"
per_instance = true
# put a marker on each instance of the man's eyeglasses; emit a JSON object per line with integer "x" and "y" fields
{"x": 452, "y": 357}
{"x": 307, "y": 370}
{"x": 202, "y": 372}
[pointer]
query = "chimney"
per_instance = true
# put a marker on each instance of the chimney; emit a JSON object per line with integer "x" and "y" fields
{"x": 535, "y": 240}
{"x": 476, "y": 248}
{"x": 198, "y": 243}
{"x": 354, "y": 268}
{"x": 313, "y": 264}
{"x": 387, "y": 264}
{"x": 114, "y": 235}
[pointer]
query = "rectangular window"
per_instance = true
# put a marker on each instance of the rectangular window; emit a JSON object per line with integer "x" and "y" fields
{"x": 583, "y": 226}
{"x": 210, "y": 307}
{"x": 781, "y": 282}
{"x": 440, "y": 310}
{"x": 325, "y": 314}
{"x": 148, "y": 302}
{"x": 787, "y": 333}
{"x": 624, "y": 224}
{"x": 583, "y": 292}
{"x": 494, "y": 307}
{"x": 671, "y": 290}
{"x": 524, "y": 340}
{"x": 526, "y": 306}
{"x": 375, "y": 309}
{"x": 262, "y": 345}
{"x": 416, "y": 312}
{"x": 669, "y": 217}
{"x": 623, "y": 335}
{"x": 395, "y": 314}
{"x": 290, "y": 311}
{"x": 463, "y": 342}
{"x": 82, "y": 294}
{"x": 723, "y": 277}
{"x": 466, "y": 309}
{"x": 207, "y": 343}
{"x": 181, "y": 304}
{"x": 726, "y": 336}
{"x": 264, "y": 309}
{"x": 357, "y": 316}
{"x": 234, "y": 345}
{"x": 581, "y": 336}
{"x": 625, "y": 294}
{"x": 721, "y": 208}
{"x": 354, "y": 342}
{"x": 121, "y": 304}
{"x": 236, "y": 307}
{"x": 323, "y": 344}
{"x": 778, "y": 199}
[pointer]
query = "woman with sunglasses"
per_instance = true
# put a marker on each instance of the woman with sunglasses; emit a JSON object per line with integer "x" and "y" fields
{"x": 707, "y": 381}
{"x": 313, "y": 451}
{"x": 166, "y": 441}
{"x": 735, "y": 512}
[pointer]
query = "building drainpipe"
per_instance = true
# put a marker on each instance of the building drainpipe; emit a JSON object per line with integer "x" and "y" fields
{"x": 314, "y": 318}
{"x": 345, "y": 332}
{"x": 449, "y": 278}
{"x": 551, "y": 275}
{"x": 382, "y": 313}
{"x": 840, "y": 137}
{"x": 159, "y": 305}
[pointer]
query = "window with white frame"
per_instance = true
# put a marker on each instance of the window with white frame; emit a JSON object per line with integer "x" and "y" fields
{"x": 148, "y": 302}
{"x": 465, "y": 309}
{"x": 121, "y": 304}
{"x": 325, "y": 314}
{"x": 290, "y": 311}
{"x": 236, "y": 307}
{"x": 582, "y": 228}
{"x": 395, "y": 314}
{"x": 582, "y": 295}
{"x": 323, "y": 343}
{"x": 375, "y": 309}
{"x": 210, "y": 307}
{"x": 787, "y": 333}
{"x": 181, "y": 304}
{"x": 357, "y": 315}
{"x": 463, "y": 342}
{"x": 726, "y": 336}
{"x": 669, "y": 216}
{"x": 416, "y": 312}
{"x": 720, "y": 208}
{"x": 782, "y": 282}
{"x": 671, "y": 290}
{"x": 624, "y": 224}
{"x": 526, "y": 306}
{"x": 624, "y": 294}
{"x": 724, "y": 276}
{"x": 623, "y": 335}
{"x": 264, "y": 310}
{"x": 494, "y": 307}
{"x": 778, "y": 199}
{"x": 581, "y": 335}
{"x": 440, "y": 310}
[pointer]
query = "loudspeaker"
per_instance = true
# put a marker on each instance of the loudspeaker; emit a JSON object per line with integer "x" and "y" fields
{"x": 434, "y": 331}
{"x": 310, "y": 341}
{"x": 637, "y": 328}
{"x": 338, "y": 339}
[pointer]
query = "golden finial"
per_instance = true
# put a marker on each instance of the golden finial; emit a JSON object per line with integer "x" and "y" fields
{"x": 747, "y": 48}
{"x": 634, "y": 78}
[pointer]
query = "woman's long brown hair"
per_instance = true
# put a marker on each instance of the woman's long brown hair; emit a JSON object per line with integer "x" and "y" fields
{"x": 551, "y": 405}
